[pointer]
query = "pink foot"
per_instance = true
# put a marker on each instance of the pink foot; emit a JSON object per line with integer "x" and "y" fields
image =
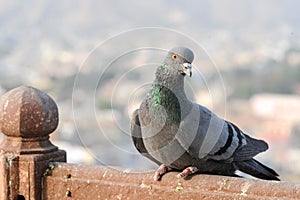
{"x": 161, "y": 171}
{"x": 187, "y": 171}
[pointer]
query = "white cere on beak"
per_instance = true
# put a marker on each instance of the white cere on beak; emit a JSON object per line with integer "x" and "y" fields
{"x": 187, "y": 68}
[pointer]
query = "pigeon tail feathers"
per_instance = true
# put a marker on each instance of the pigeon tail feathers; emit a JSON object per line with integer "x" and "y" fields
{"x": 256, "y": 169}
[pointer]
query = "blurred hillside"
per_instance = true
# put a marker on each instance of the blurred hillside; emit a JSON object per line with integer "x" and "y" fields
{"x": 248, "y": 50}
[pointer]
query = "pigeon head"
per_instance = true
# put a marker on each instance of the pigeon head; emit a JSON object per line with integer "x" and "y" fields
{"x": 180, "y": 59}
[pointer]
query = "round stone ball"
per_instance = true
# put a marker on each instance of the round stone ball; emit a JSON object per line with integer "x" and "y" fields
{"x": 27, "y": 112}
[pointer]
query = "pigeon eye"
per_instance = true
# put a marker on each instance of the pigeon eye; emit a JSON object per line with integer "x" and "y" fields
{"x": 174, "y": 56}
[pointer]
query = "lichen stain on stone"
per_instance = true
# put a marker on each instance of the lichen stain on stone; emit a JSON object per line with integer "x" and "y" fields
{"x": 10, "y": 158}
{"x": 49, "y": 169}
{"x": 224, "y": 181}
{"x": 143, "y": 185}
{"x": 179, "y": 187}
{"x": 245, "y": 189}
{"x": 68, "y": 193}
{"x": 5, "y": 105}
{"x": 68, "y": 176}
{"x": 104, "y": 174}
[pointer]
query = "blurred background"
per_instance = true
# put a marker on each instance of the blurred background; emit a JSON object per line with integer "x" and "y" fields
{"x": 79, "y": 52}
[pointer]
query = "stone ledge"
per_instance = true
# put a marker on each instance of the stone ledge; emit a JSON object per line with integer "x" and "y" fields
{"x": 70, "y": 181}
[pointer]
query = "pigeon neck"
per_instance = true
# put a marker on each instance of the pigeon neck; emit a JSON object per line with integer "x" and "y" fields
{"x": 170, "y": 79}
{"x": 168, "y": 89}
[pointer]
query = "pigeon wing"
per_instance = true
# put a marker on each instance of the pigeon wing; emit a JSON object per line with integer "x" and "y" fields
{"x": 206, "y": 136}
{"x": 136, "y": 136}
{"x": 249, "y": 148}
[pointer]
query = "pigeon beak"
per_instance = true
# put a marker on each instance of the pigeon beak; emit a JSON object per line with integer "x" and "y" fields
{"x": 187, "y": 68}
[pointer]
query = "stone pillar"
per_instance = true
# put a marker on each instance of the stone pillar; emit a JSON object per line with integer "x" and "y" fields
{"x": 27, "y": 117}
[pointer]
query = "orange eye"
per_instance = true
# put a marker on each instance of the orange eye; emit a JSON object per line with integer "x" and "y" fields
{"x": 174, "y": 56}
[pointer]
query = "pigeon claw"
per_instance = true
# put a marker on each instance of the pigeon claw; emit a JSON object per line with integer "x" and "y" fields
{"x": 161, "y": 171}
{"x": 187, "y": 171}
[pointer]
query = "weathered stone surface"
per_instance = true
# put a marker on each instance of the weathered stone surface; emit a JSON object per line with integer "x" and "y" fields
{"x": 27, "y": 112}
{"x": 90, "y": 182}
{"x": 27, "y": 117}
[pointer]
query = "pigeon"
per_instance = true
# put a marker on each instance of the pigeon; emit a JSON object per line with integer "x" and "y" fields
{"x": 181, "y": 135}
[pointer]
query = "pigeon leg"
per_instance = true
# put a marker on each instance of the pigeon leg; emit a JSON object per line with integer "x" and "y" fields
{"x": 161, "y": 171}
{"x": 187, "y": 171}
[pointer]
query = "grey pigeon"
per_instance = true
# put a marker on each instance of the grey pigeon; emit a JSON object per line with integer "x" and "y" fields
{"x": 180, "y": 135}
